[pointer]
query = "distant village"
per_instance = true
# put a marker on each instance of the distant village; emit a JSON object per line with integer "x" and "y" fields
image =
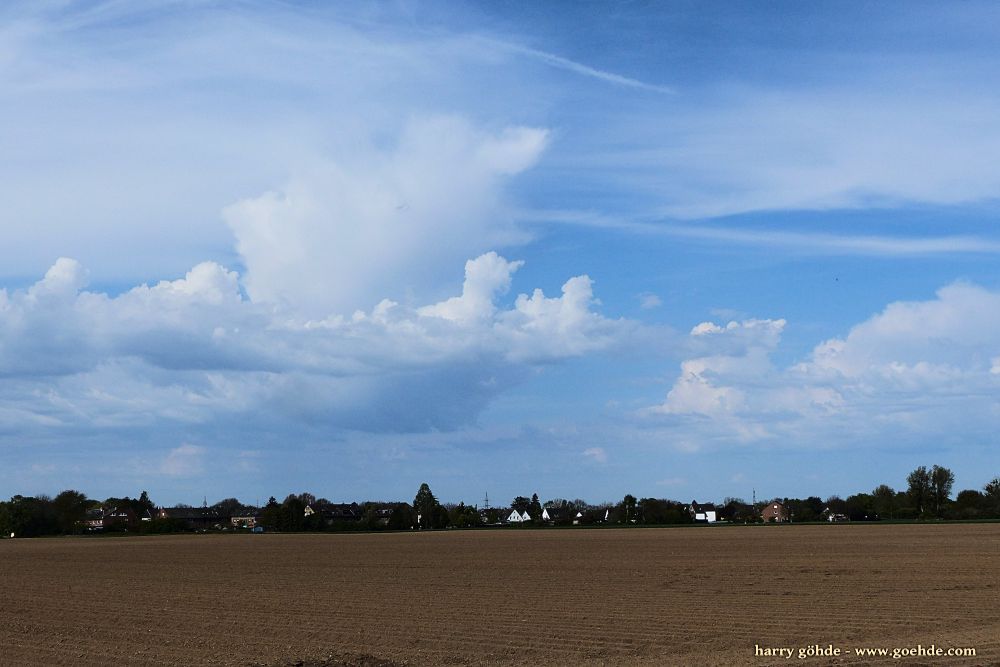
{"x": 321, "y": 514}
{"x": 928, "y": 496}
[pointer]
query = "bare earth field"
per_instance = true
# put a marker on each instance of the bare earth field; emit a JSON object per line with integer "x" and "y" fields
{"x": 680, "y": 596}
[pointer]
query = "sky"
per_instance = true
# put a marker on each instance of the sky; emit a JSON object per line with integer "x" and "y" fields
{"x": 679, "y": 250}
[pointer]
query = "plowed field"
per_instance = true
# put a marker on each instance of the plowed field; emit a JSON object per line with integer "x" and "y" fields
{"x": 683, "y": 596}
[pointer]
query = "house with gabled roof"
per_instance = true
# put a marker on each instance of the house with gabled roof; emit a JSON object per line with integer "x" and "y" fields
{"x": 119, "y": 517}
{"x": 247, "y": 518}
{"x": 94, "y": 519}
{"x": 102, "y": 518}
{"x": 563, "y": 514}
{"x": 774, "y": 513}
{"x": 332, "y": 512}
{"x": 518, "y": 517}
{"x": 552, "y": 514}
{"x": 703, "y": 512}
{"x": 194, "y": 518}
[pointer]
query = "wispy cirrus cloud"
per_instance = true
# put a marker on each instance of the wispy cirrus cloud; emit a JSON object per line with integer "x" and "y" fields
{"x": 794, "y": 242}
{"x": 560, "y": 62}
{"x": 817, "y": 243}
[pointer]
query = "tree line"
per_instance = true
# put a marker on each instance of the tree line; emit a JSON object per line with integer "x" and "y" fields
{"x": 927, "y": 496}
{"x": 33, "y": 516}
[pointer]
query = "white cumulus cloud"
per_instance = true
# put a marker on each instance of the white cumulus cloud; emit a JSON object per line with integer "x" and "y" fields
{"x": 375, "y": 222}
{"x": 485, "y": 278}
{"x": 195, "y": 351}
{"x": 917, "y": 369}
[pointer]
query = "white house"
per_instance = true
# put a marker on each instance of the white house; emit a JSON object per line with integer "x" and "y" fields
{"x": 518, "y": 517}
{"x": 561, "y": 514}
{"x": 703, "y": 512}
{"x": 552, "y": 514}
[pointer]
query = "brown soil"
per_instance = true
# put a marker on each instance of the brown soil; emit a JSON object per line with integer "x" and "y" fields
{"x": 682, "y": 596}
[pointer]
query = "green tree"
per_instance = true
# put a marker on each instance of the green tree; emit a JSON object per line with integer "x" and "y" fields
{"x": 427, "y": 507}
{"x": 535, "y": 508}
{"x": 905, "y": 508}
{"x": 656, "y": 511}
{"x": 401, "y": 518}
{"x": 970, "y": 504}
{"x": 942, "y": 480}
{"x": 836, "y": 504}
{"x": 810, "y": 509}
{"x": 292, "y": 513}
{"x": 270, "y": 516}
{"x": 884, "y": 501}
{"x": 315, "y": 522}
{"x": 738, "y": 510}
{"x": 629, "y": 505}
{"x": 144, "y": 504}
{"x": 70, "y": 508}
{"x": 861, "y": 507}
{"x": 992, "y": 497}
{"x": 463, "y": 516}
{"x": 30, "y": 517}
{"x": 227, "y": 507}
{"x": 919, "y": 489}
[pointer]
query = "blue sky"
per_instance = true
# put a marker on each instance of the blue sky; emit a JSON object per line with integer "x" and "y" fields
{"x": 669, "y": 249}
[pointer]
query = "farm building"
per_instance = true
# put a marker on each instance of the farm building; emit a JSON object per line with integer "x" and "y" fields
{"x": 332, "y": 512}
{"x": 774, "y": 513}
{"x": 245, "y": 519}
{"x": 569, "y": 514}
{"x": 103, "y": 518}
{"x": 94, "y": 519}
{"x": 704, "y": 512}
{"x": 122, "y": 517}
{"x": 384, "y": 514}
{"x": 833, "y": 517}
{"x": 194, "y": 517}
{"x": 553, "y": 514}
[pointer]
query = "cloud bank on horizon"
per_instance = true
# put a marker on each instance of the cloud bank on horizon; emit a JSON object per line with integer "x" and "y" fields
{"x": 260, "y": 215}
{"x": 915, "y": 370}
{"x": 195, "y": 350}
